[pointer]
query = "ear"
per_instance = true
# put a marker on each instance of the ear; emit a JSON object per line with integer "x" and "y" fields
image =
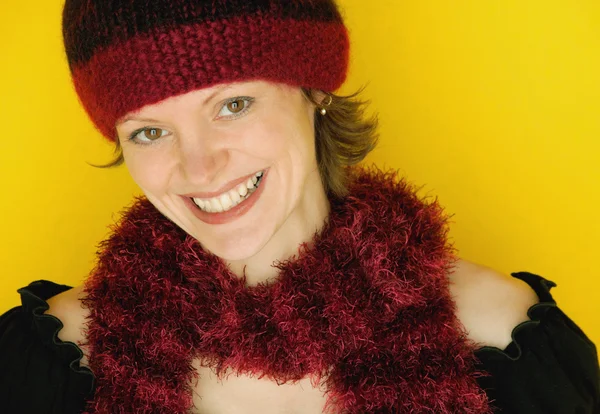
{"x": 319, "y": 96}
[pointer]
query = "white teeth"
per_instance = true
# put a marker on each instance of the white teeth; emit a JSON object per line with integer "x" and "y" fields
{"x": 231, "y": 198}
{"x": 225, "y": 201}
{"x": 216, "y": 205}
{"x": 242, "y": 189}
{"x": 235, "y": 196}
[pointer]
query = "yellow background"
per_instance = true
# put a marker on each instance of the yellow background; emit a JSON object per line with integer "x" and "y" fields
{"x": 493, "y": 106}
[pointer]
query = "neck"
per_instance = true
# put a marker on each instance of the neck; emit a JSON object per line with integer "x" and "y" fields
{"x": 306, "y": 218}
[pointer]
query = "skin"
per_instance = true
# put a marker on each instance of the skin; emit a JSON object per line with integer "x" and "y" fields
{"x": 200, "y": 146}
{"x": 489, "y": 304}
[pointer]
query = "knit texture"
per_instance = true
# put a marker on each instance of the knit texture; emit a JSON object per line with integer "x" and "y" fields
{"x": 366, "y": 310}
{"x": 126, "y": 54}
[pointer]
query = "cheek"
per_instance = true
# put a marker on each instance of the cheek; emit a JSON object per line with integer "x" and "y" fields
{"x": 280, "y": 136}
{"x": 146, "y": 170}
{"x": 263, "y": 140}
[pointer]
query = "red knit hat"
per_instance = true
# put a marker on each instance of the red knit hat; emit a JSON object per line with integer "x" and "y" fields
{"x": 125, "y": 54}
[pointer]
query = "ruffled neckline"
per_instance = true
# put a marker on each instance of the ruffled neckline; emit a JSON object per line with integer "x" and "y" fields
{"x": 34, "y": 301}
{"x": 536, "y": 313}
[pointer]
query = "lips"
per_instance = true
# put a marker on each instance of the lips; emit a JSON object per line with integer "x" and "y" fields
{"x": 229, "y": 186}
{"x": 230, "y": 215}
{"x": 231, "y": 198}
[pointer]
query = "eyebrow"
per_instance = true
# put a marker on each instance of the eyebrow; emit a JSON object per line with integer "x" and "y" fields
{"x": 204, "y": 102}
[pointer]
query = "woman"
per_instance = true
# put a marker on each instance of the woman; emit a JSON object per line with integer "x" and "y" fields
{"x": 261, "y": 249}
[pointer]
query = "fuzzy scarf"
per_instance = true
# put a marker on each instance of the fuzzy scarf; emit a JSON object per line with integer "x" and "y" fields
{"x": 367, "y": 309}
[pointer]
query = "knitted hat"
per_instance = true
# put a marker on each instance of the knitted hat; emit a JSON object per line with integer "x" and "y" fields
{"x": 125, "y": 54}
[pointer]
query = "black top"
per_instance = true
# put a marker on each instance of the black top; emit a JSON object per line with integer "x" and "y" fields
{"x": 550, "y": 367}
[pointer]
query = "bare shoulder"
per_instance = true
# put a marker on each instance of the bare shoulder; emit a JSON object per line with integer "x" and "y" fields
{"x": 67, "y": 307}
{"x": 489, "y": 303}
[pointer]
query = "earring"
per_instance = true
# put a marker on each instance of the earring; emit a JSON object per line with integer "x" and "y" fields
{"x": 323, "y": 110}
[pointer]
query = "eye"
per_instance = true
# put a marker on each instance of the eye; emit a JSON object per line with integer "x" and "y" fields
{"x": 146, "y": 135}
{"x": 236, "y": 107}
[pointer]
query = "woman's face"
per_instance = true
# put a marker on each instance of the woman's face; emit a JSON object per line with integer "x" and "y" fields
{"x": 203, "y": 147}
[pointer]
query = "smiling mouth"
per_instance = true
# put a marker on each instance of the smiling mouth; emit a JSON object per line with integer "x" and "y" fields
{"x": 231, "y": 198}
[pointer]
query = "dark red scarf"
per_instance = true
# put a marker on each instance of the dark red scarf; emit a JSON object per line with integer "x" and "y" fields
{"x": 367, "y": 309}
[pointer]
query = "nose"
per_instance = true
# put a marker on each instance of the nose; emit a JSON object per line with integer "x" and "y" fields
{"x": 201, "y": 160}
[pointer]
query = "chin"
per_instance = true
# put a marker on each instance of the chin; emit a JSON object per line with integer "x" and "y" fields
{"x": 236, "y": 248}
